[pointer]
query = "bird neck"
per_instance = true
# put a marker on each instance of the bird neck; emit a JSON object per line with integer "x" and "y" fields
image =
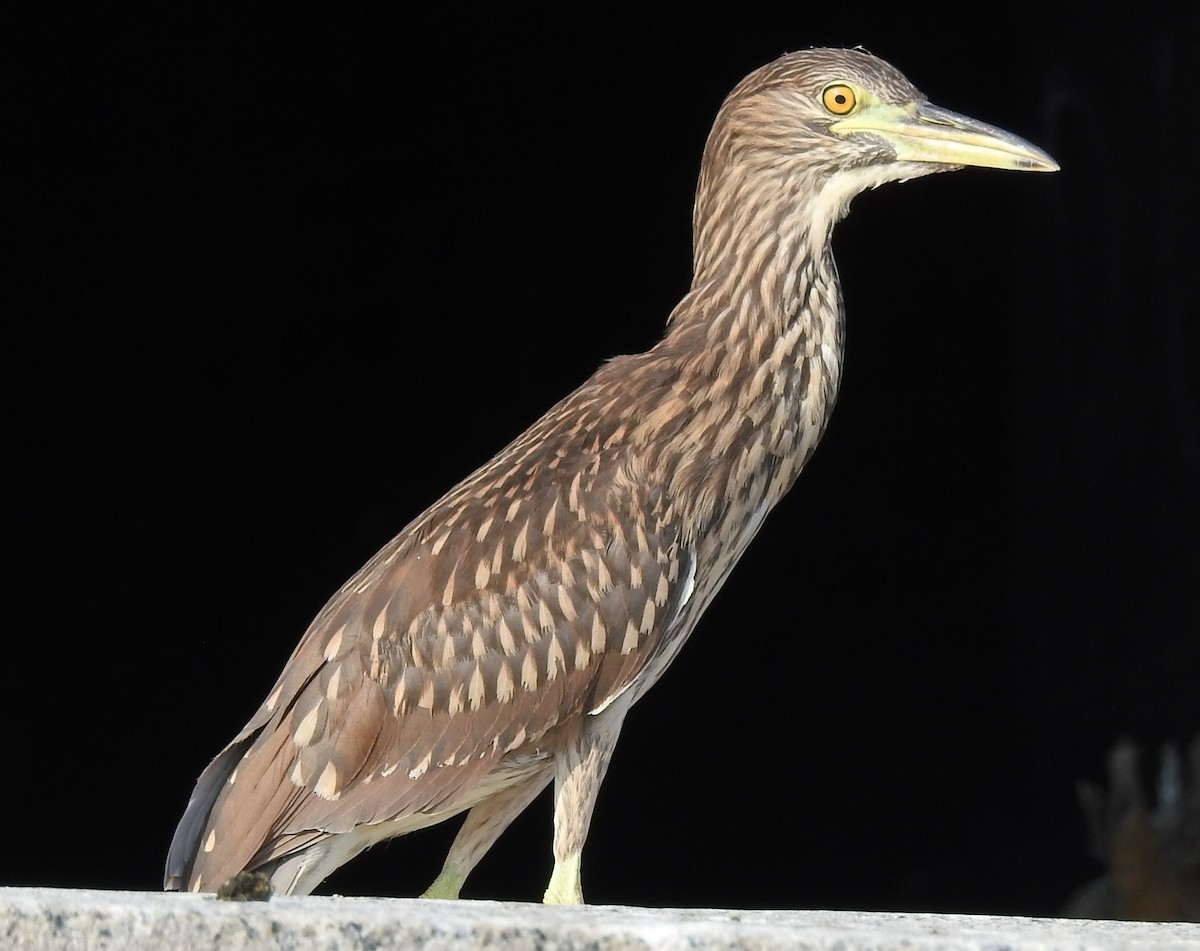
{"x": 756, "y": 350}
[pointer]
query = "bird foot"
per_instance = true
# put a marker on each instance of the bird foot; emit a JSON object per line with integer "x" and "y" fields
{"x": 565, "y": 887}
{"x": 446, "y": 885}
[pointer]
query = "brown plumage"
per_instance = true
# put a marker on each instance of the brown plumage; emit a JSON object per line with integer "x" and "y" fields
{"x": 499, "y": 640}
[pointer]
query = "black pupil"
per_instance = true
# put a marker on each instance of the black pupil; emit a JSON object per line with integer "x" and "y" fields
{"x": 840, "y": 99}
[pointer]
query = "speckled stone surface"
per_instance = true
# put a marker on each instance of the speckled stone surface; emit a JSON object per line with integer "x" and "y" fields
{"x": 48, "y": 918}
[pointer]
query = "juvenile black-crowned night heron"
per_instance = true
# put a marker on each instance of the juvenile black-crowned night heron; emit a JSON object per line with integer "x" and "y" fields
{"x": 500, "y": 639}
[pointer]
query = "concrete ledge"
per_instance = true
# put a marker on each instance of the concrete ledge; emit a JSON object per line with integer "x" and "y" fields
{"x": 48, "y": 918}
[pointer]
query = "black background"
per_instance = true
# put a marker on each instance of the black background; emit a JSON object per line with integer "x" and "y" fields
{"x": 287, "y": 280}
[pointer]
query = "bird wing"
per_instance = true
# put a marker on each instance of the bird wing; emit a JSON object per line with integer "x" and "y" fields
{"x": 529, "y": 595}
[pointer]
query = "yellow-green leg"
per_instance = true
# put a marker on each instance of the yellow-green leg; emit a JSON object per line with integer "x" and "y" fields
{"x": 579, "y": 767}
{"x": 483, "y": 826}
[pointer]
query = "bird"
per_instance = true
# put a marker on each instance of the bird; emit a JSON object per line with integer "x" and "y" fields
{"x": 495, "y": 646}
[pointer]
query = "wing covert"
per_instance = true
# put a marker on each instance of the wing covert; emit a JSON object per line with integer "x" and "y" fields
{"x": 470, "y": 637}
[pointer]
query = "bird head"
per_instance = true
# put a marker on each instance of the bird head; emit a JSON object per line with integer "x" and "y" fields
{"x": 814, "y": 128}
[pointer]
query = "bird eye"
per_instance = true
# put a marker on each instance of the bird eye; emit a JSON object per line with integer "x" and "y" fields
{"x": 839, "y": 99}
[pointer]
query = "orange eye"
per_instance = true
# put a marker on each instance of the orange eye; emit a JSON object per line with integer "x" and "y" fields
{"x": 839, "y": 99}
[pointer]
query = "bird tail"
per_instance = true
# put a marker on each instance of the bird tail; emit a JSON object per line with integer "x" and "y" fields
{"x": 185, "y": 844}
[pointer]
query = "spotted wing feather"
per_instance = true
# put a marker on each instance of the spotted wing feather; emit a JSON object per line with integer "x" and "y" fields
{"x": 528, "y": 596}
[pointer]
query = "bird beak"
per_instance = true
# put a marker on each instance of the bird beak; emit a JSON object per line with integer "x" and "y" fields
{"x": 922, "y": 132}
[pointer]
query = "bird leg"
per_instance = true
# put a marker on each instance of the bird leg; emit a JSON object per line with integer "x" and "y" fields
{"x": 483, "y": 826}
{"x": 579, "y": 771}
